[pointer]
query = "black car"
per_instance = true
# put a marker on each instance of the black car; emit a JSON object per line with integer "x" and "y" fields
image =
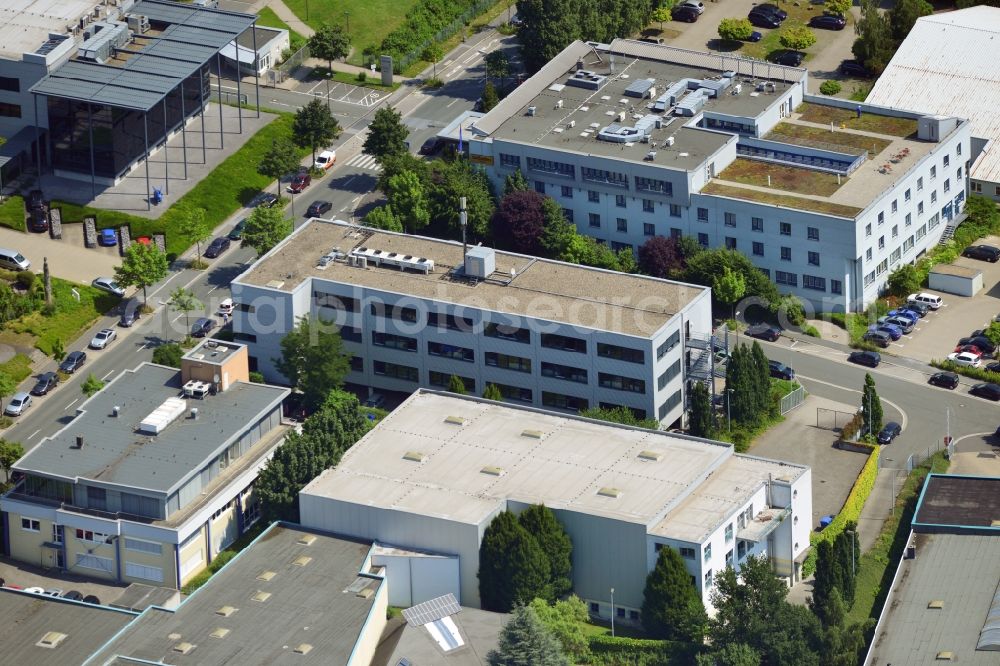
{"x": 869, "y": 358}
{"x": 202, "y": 326}
{"x": 761, "y": 19}
{"x": 317, "y": 208}
{"x": 764, "y": 332}
{"x": 983, "y": 343}
{"x": 988, "y": 391}
{"x": 948, "y": 380}
{"x": 781, "y": 14}
{"x": 430, "y": 146}
{"x": 46, "y": 382}
{"x": 790, "y": 58}
{"x": 236, "y": 234}
{"x": 780, "y": 370}
{"x": 828, "y": 22}
{"x": 38, "y": 220}
{"x": 684, "y": 13}
{"x": 35, "y": 200}
{"x": 920, "y": 308}
{"x": 988, "y": 253}
{"x": 880, "y": 338}
{"x": 854, "y": 68}
{"x": 263, "y": 200}
{"x": 129, "y": 316}
{"x": 73, "y": 362}
{"x": 73, "y": 595}
{"x": 217, "y": 247}
{"x": 993, "y": 367}
{"x": 889, "y": 432}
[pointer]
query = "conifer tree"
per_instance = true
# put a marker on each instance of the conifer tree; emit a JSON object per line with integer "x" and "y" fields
{"x": 671, "y": 606}
{"x": 542, "y": 524}
{"x": 513, "y": 569}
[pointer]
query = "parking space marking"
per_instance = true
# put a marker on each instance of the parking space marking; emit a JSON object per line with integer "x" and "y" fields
{"x": 71, "y": 404}
{"x": 34, "y": 433}
{"x": 105, "y": 377}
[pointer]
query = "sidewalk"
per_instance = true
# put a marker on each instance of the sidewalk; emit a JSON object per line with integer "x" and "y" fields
{"x": 289, "y": 17}
{"x": 879, "y": 506}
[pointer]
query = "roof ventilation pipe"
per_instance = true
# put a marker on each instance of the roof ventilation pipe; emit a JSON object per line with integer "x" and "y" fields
{"x": 79, "y": 441}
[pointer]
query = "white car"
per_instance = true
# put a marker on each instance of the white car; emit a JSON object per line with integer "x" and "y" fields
{"x": 35, "y": 590}
{"x": 696, "y": 5}
{"x": 226, "y": 307}
{"x": 326, "y": 159}
{"x": 109, "y": 285}
{"x": 103, "y": 337}
{"x": 930, "y": 300}
{"x": 18, "y": 404}
{"x": 967, "y": 359}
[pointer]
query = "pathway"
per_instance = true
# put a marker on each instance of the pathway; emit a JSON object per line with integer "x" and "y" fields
{"x": 289, "y": 17}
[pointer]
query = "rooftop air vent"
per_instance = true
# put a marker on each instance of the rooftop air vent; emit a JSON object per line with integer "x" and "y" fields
{"x": 608, "y": 491}
{"x": 455, "y": 420}
{"x": 531, "y": 110}
{"x": 651, "y": 456}
{"x": 163, "y": 416}
{"x": 219, "y": 632}
{"x": 301, "y": 560}
{"x": 480, "y": 262}
{"x": 415, "y": 456}
{"x": 936, "y": 604}
{"x": 266, "y": 575}
{"x": 366, "y": 593}
{"x": 945, "y": 655}
{"x": 584, "y": 78}
{"x": 51, "y": 640}
{"x": 276, "y": 284}
{"x": 184, "y": 648}
{"x": 492, "y": 471}
{"x": 261, "y": 596}
{"x": 533, "y": 434}
{"x": 226, "y": 611}
{"x": 307, "y": 540}
{"x": 303, "y": 648}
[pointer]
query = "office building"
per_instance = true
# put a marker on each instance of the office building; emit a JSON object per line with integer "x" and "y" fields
{"x": 432, "y": 475}
{"x": 153, "y": 476}
{"x": 636, "y": 140}
{"x": 414, "y": 311}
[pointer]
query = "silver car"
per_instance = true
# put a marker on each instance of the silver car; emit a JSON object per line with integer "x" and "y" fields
{"x": 18, "y": 404}
{"x": 109, "y": 285}
{"x": 103, "y": 337}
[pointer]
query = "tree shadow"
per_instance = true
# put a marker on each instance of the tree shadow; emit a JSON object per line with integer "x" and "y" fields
{"x": 724, "y": 45}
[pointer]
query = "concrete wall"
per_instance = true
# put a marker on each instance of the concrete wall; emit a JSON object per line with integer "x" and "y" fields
{"x": 413, "y": 579}
{"x": 234, "y": 367}
{"x": 371, "y": 632}
{"x": 955, "y": 284}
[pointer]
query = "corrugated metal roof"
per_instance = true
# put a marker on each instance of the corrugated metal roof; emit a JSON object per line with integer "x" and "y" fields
{"x": 947, "y": 66}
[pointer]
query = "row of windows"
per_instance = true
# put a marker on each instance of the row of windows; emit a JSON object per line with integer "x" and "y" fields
{"x": 564, "y": 372}
{"x": 552, "y": 167}
{"x": 620, "y": 353}
{"x": 443, "y": 379}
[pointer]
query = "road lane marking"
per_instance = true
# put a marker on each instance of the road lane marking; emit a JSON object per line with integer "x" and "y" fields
{"x": 71, "y": 404}
{"x": 213, "y": 289}
{"x": 902, "y": 412}
{"x": 142, "y": 348}
{"x": 34, "y": 433}
{"x": 105, "y": 377}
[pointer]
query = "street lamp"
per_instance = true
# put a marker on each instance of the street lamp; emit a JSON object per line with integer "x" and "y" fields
{"x": 729, "y": 422}
{"x": 612, "y": 612}
{"x": 737, "y": 318}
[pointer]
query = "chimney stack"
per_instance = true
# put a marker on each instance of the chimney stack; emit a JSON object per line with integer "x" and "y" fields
{"x": 79, "y": 441}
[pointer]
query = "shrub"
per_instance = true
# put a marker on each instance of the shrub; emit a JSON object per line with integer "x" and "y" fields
{"x": 362, "y": 76}
{"x": 26, "y": 279}
{"x": 811, "y": 331}
{"x": 974, "y": 373}
{"x": 830, "y": 87}
{"x": 257, "y": 377}
{"x": 433, "y": 82}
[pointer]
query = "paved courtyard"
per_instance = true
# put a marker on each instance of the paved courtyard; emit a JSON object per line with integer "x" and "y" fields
{"x": 25, "y": 575}
{"x": 68, "y": 258}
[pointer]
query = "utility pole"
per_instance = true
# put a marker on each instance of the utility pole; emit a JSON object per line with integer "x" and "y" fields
{"x": 612, "y": 612}
{"x": 463, "y": 219}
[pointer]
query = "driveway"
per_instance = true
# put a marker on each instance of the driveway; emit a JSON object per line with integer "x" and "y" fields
{"x": 798, "y": 440}
{"x": 822, "y": 60}
{"x": 24, "y": 575}
{"x": 68, "y": 258}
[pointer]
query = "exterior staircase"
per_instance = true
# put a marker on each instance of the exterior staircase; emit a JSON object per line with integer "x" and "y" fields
{"x": 948, "y": 233}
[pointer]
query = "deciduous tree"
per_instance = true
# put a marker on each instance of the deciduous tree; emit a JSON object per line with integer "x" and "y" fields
{"x": 314, "y": 126}
{"x": 904, "y": 280}
{"x": 524, "y": 641}
{"x": 661, "y": 257}
{"x": 620, "y": 414}
{"x": 671, "y": 606}
{"x": 449, "y": 181}
{"x": 734, "y": 654}
{"x": 7, "y": 387}
{"x": 10, "y": 453}
{"x": 729, "y": 287}
{"x": 456, "y": 385}
{"x": 280, "y": 160}
{"x": 142, "y": 266}
{"x": 329, "y": 43}
{"x": 515, "y": 182}
{"x": 490, "y": 97}
{"x": 797, "y": 37}
{"x": 874, "y": 46}
{"x": 558, "y": 232}
{"x": 841, "y": 7}
{"x": 58, "y": 350}
{"x": 904, "y": 15}
{"x": 735, "y": 29}
{"x": 541, "y": 523}
{"x": 662, "y": 14}
{"x": 432, "y": 53}
{"x": 91, "y": 385}
{"x": 386, "y": 134}
{"x": 408, "y": 197}
{"x": 184, "y": 301}
{"x": 168, "y": 354}
{"x": 519, "y": 222}
{"x": 382, "y": 217}
{"x": 313, "y": 360}
{"x": 566, "y": 619}
{"x": 265, "y": 228}
{"x": 513, "y": 570}
{"x": 497, "y": 66}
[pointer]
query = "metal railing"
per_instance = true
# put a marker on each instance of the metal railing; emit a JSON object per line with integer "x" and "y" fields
{"x": 792, "y": 400}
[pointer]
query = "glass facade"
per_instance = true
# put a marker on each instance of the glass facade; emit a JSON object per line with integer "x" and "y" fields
{"x": 118, "y": 133}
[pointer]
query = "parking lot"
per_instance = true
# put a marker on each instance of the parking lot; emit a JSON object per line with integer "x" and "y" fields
{"x": 936, "y": 335}
{"x": 68, "y": 258}
{"x": 24, "y": 576}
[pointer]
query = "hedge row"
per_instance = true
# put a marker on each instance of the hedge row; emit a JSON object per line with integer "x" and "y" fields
{"x": 619, "y": 650}
{"x": 422, "y": 25}
{"x": 850, "y": 512}
{"x": 975, "y": 373}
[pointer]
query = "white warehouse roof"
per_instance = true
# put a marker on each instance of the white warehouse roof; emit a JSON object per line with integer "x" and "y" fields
{"x": 947, "y": 66}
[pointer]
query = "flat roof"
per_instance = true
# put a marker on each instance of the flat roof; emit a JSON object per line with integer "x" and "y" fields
{"x": 479, "y": 630}
{"x": 323, "y": 603}
{"x": 183, "y": 37}
{"x": 950, "y": 502}
{"x": 213, "y": 352}
{"x": 630, "y": 304}
{"x": 957, "y": 271}
{"x": 477, "y": 454}
{"x": 26, "y": 24}
{"x": 558, "y": 105}
{"x": 26, "y": 618}
{"x": 116, "y": 452}
{"x": 960, "y": 571}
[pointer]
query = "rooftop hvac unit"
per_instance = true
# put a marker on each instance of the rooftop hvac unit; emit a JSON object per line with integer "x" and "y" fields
{"x": 650, "y": 156}
{"x": 670, "y": 140}
{"x": 621, "y": 116}
{"x": 738, "y": 88}
{"x": 351, "y": 260}
{"x": 572, "y": 123}
{"x": 658, "y": 123}
{"x": 361, "y": 262}
{"x": 559, "y": 104}
{"x": 645, "y": 138}
{"x": 138, "y": 23}
{"x": 531, "y": 110}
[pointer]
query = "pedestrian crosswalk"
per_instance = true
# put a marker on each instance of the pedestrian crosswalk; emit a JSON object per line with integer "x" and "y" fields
{"x": 363, "y": 161}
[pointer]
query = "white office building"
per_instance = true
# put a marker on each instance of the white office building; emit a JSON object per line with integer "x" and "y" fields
{"x": 430, "y": 477}
{"x": 636, "y": 140}
{"x": 414, "y": 311}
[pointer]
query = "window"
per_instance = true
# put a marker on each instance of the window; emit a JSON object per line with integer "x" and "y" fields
{"x": 345, "y": 303}
{"x": 622, "y": 225}
{"x": 675, "y": 210}
{"x": 134, "y": 570}
{"x": 947, "y": 160}
{"x": 648, "y": 206}
{"x": 97, "y": 498}
{"x": 612, "y": 178}
{"x": 393, "y": 341}
{"x": 881, "y": 242}
{"x": 654, "y": 185}
{"x": 512, "y": 161}
{"x": 729, "y": 558}
{"x": 868, "y": 254}
{"x": 560, "y": 401}
{"x": 908, "y": 220}
{"x": 593, "y": 197}
{"x": 564, "y": 372}
{"x": 836, "y": 287}
{"x": 785, "y": 229}
{"x": 668, "y": 344}
{"x": 730, "y": 219}
{"x": 443, "y": 379}
{"x": 881, "y": 218}
{"x": 730, "y": 243}
{"x": 741, "y": 520}
{"x": 790, "y": 279}
{"x": 894, "y": 206}
{"x": 31, "y": 525}
{"x": 620, "y": 200}
{"x": 404, "y": 372}
{"x": 566, "y": 191}
{"x": 786, "y": 254}
{"x": 708, "y": 553}
{"x": 57, "y": 532}
{"x": 813, "y": 282}
{"x": 568, "y": 214}
{"x": 506, "y": 362}
{"x": 896, "y": 254}
{"x": 675, "y": 233}
{"x": 758, "y": 249}
{"x": 12, "y": 84}
{"x": 669, "y": 374}
{"x": 757, "y": 224}
{"x": 246, "y": 307}
{"x": 895, "y": 230}
{"x": 620, "y": 612}
{"x": 10, "y": 110}
{"x": 958, "y": 173}
{"x": 550, "y": 166}
{"x": 564, "y": 342}
{"x": 507, "y": 332}
{"x": 540, "y": 187}
{"x": 514, "y": 392}
{"x": 648, "y": 229}
{"x": 620, "y": 383}
{"x": 595, "y": 607}
{"x": 920, "y": 205}
{"x": 93, "y": 537}
{"x": 245, "y": 337}
{"x": 620, "y": 353}
{"x": 357, "y": 364}
{"x": 450, "y": 322}
{"x": 906, "y": 195}
{"x": 105, "y": 564}
{"x": 812, "y": 233}
{"x": 729, "y": 532}
{"x": 933, "y": 196}
{"x": 920, "y": 183}
{"x": 451, "y": 351}
{"x": 687, "y": 553}
{"x": 408, "y": 315}
{"x": 703, "y": 239}
{"x": 741, "y": 550}
{"x": 703, "y": 215}
{"x": 947, "y": 185}
{"x": 868, "y": 230}
{"x": 670, "y": 403}
{"x": 908, "y": 244}
{"x": 633, "y": 616}
{"x": 595, "y": 220}
{"x": 958, "y": 149}
{"x": 933, "y": 172}
{"x": 922, "y": 231}
{"x": 814, "y": 258}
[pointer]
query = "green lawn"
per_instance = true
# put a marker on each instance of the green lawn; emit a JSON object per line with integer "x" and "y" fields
{"x": 868, "y": 122}
{"x": 780, "y": 177}
{"x": 230, "y": 185}
{"x": 12, "y": 213}
{"x": 18, "y": 367}
{"x": 798, "y": 14}
{"x": 372, "y": 80}
{"x": 782, "y": 200}
{"x": 267, "y": 17}
{"x": 370, "y": 20}
{"x": 806, "y": 135}
{"x": 70, "y": 317}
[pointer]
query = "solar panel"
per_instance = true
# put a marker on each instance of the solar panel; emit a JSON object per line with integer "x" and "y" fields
{"x": 431, "y": 611}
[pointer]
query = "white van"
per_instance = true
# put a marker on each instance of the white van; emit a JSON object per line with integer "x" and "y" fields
{"x": 13, "y": 260}
{"x": 930, "y": 300}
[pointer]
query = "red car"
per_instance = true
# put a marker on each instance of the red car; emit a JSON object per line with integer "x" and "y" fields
{"x": 971, "y": 349}
{"x": 300, "y": 182}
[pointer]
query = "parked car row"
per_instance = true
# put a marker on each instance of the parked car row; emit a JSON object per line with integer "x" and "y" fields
{"x": 901, "y": 321}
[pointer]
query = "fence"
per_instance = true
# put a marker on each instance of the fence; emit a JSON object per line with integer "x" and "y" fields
{"x": 792, "y": 400}
{"x": 831, "y": 419}
{"x": 291, "y": 62}
{"x": 402, "y": 62}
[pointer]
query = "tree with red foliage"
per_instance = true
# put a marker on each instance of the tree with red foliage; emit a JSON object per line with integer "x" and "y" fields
{"x": 661, "y": 257}
{"x": 519, "y": 221}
